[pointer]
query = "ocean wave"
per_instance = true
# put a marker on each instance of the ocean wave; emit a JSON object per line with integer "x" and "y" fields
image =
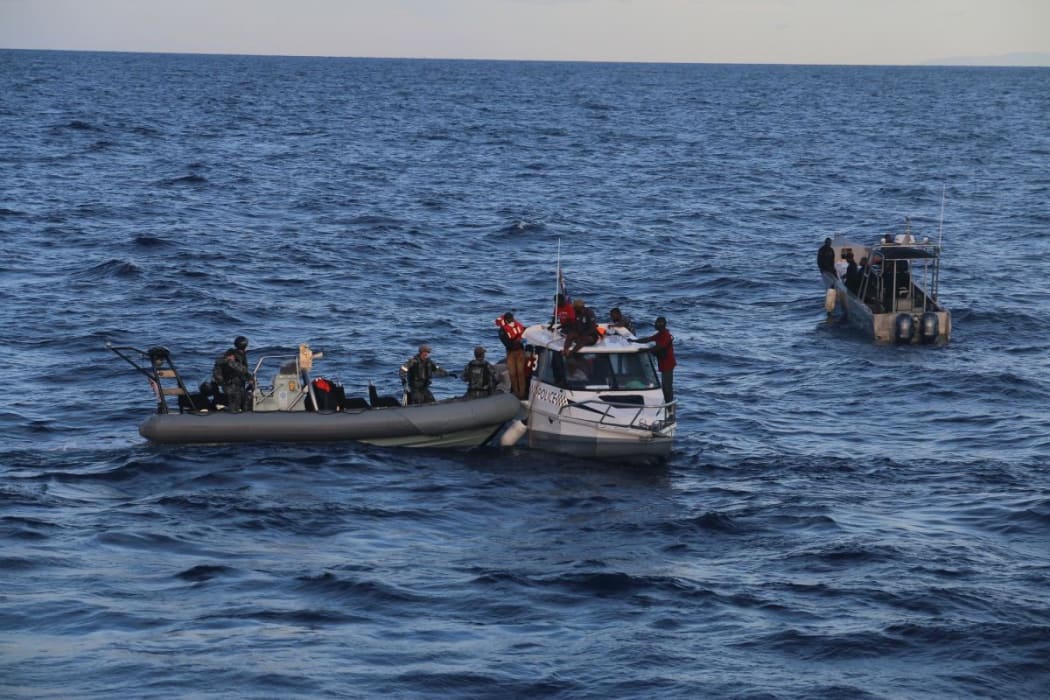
{"x": 112, "y": 268}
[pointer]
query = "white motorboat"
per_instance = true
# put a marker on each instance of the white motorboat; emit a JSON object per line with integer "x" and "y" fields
{"x": 603, "y": 401}
{"x": 894, "y": 297}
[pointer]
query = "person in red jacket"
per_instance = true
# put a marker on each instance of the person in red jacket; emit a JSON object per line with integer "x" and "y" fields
{"x": 564, "y": 313}
{"x": 510, "y": 334}
{"x": 665, "y": 361}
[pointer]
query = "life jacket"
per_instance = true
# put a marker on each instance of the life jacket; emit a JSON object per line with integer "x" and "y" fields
{"x": 513, "y": 331}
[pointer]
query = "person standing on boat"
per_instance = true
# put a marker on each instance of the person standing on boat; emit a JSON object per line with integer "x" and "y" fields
{"x": 240, "y": 344}
{"x": 232, "y": 376}
{"x": 852, "y": 278}
{"x": 841, "y": 265}
{"x": 510, "y": 334}
{"x": 480, "y": 376}
{"x": 664, "y": 349}
{"x": 416, "y": 375}
{"x": 826, "y": 257}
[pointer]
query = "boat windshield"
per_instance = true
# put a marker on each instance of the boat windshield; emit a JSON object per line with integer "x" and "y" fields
{"x": 601, "y": 371}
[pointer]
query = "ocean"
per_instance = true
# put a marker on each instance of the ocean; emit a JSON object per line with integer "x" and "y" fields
{"x": 838, "y": 519}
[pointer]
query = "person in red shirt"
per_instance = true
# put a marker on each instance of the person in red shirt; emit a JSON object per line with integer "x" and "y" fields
{"x": 564, "y": 313}
{"x": 664, "y": 349}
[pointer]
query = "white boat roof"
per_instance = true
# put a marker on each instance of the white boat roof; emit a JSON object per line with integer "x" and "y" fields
{"x": 615, "y": 340}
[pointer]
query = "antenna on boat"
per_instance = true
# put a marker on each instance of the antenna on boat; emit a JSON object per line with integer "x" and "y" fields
{"x": 557, "y": 283}
{"x": 940, "y": 225}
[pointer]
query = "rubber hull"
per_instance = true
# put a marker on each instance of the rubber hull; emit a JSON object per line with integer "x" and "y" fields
{"x": 453, "y": 423}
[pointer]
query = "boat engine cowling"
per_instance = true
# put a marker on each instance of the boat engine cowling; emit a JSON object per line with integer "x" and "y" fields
{"x": 904, "y": 328}
{"x": 929, "y": 327}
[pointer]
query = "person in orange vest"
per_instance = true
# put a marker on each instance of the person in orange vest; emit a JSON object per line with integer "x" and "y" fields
{"x": 510, "y": 334}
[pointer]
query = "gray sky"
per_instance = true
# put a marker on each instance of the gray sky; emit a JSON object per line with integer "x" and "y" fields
{"x": 711, "y": 31}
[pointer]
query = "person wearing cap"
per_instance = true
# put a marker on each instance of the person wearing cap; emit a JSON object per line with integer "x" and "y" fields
{"x": 416, "y": 375}
{"x": 510, "y": 334}
{"x": 663, "y": 346}
{"x": 232, "y": 376}
{"x": 480, "y": 376}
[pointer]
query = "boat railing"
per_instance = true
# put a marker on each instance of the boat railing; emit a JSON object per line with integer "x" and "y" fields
{"x": 158, "y": 367}
{"x": 902, "y": 279}
{"x": 291, "y": 381}
{"x": 634, "y": 411}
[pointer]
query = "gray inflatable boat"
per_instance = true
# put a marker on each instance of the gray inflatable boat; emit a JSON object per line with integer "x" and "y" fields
{"x": 295, "y": 409}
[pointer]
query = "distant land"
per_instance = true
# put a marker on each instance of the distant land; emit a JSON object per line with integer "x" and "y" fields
{"x": 1009, "y": 59}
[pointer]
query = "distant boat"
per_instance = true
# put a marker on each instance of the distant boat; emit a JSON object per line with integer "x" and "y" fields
{"x": 287, "y": 410}
{"x": 603, "y": 401}
{"x": 894, "y": 298}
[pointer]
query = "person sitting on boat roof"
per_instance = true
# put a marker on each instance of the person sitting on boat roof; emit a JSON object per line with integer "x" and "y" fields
{"x": 510, "y": 334}
{"x": 585, "y": 329}
{"x": 826, "y": 257}
{"x": 232, "y": 376}
{"x": 618, "y": 319}
{"x": 417, "y": 373}
{"x": 664, "y": 347}
{"x": 480, "y": 376}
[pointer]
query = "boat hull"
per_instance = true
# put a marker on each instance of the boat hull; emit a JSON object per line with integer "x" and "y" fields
{"x": 882, "y": 327}
{"x": 559, "y": 422}
{"x": 643, "y": 450}
{"x": 457, "y": 423}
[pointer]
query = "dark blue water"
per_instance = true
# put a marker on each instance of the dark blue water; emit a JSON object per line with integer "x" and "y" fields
{"x": 837, "y": 520}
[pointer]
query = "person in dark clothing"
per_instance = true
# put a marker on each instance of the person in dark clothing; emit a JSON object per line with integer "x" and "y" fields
{"x": 416, "y": 375}
{"x": 479, "y": 375}
{"x": 240, "y": 344}
{"x": 585, "y": 329}
{"x": 664, "y": 349}
{"x": 826, "y": 257}
{"x": 232, "y": 376}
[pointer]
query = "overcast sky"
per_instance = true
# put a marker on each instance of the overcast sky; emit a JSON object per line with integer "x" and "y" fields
{"x": 710, "y": 31}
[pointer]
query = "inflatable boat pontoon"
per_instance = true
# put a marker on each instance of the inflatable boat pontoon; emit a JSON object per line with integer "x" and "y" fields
{"x": 287, "y": 410}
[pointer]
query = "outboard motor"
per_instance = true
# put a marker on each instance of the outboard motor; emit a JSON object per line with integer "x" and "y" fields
{"x": 929, "y": 327}
{"x": 904, "y": 328}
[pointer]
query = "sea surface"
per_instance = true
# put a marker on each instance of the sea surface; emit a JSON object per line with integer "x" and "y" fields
{"x": 838, "y": 519}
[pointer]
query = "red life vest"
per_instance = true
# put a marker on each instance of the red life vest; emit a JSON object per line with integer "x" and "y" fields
{"x": 513, "y": 329}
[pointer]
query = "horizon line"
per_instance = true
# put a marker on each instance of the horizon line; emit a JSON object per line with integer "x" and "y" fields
{"x": 954, "y": 62}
